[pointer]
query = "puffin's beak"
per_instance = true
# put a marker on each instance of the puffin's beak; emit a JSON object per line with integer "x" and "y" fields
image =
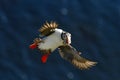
{"x": 67, "y": 42}
{"x": 68, "y": 38}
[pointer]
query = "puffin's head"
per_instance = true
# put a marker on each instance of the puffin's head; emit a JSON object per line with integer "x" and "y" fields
{"x": 66, "y": 37}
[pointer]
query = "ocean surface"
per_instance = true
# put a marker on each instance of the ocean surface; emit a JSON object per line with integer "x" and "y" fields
{"x": 95, "y": 29}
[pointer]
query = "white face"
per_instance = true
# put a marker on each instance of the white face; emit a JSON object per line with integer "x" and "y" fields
{"x": 69, "y": 38}
{"x": 66, "y": 38}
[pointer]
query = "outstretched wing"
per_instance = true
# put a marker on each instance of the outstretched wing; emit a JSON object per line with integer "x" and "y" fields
{"x": 48, "y": 28}
{"x": 72, "y": 55}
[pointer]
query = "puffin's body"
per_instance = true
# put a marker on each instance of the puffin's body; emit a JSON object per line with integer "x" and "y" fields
{"x": 52, "y": 41}
{"x": 57, "y": 38}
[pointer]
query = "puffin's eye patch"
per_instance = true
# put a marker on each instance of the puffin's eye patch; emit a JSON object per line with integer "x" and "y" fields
{"x": 63, "y": 36}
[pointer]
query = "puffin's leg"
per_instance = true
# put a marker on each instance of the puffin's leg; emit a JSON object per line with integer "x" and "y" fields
{"x": 36, "y": 41}
{"x": 33, "y": 46}
{"x": 45, "y": 56}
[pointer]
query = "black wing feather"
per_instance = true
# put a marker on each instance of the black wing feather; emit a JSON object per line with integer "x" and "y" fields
{"x": 70, "y": 54}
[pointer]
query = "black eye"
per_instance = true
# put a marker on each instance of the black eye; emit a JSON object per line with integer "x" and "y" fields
{"x": 63, "y": 36}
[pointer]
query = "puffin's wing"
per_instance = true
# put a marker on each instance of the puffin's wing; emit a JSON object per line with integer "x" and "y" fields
{"x": 70, "y": 54}
{"x": 48, "y": 28}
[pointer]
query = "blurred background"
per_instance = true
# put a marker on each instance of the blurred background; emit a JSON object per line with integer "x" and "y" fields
{"x": 95, "y": 29}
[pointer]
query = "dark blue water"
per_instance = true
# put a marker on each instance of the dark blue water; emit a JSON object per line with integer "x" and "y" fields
{"x": 95, "y": 29}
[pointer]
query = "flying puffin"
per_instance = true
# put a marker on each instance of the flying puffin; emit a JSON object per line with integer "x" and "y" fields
{"x": 52, "y": 38}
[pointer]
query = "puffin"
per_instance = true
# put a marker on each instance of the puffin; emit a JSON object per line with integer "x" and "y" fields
{"x": 52, "y": 38}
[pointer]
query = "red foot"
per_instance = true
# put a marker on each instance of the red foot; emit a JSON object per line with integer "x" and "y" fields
{"x": 44, "y": 58}
{"x": 33, "y": 46}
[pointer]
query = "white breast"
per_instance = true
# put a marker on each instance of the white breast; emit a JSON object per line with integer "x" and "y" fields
{"x": 52, "y": 41}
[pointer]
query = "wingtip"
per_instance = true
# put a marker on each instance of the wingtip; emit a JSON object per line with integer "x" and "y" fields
{"x": 84, "y": 66}
{"x": 89, "y": 65}
{"x": 48, "y": 27}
